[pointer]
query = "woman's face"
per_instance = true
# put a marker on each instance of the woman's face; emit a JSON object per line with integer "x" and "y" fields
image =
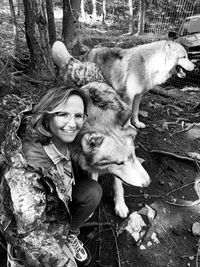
{"x": 65, "y": 124}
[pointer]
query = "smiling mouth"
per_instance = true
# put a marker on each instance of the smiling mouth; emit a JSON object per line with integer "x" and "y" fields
{"x": 69, "y": 131}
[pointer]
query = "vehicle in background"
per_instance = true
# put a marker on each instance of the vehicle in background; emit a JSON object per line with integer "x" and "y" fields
{"x": 189, "y": 36}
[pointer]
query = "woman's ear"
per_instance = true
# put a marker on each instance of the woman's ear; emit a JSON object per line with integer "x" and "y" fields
{"x": 46, "y": 124}
{"x": 44, "y": 130}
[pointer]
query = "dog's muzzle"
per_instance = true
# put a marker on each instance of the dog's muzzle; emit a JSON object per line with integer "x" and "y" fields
{"x": 196, "y": 70}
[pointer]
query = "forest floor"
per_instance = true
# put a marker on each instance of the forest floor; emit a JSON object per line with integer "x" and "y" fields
{"x": 170, "y": 146}
{"x": 167, "y": 145}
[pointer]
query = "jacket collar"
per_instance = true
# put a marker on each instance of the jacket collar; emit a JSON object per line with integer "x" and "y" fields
{"x": 54, "y": 154}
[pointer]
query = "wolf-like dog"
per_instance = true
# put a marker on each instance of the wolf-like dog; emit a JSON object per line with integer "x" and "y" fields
{"x": 133, "y": 71}
{"x": 105, "y": 143}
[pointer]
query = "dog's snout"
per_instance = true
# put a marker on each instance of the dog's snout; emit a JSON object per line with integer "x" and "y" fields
{"x": 196, "y": 69}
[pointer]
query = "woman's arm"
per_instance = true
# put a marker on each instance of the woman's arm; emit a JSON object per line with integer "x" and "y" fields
{"x": 28, "y": 197}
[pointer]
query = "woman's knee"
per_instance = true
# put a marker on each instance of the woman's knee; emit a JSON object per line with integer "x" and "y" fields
{"x": 95, "y": 191}
{"x": 87, "y": 192}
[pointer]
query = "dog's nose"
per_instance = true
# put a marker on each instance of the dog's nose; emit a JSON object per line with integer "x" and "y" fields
{"x": 196, "y": 69}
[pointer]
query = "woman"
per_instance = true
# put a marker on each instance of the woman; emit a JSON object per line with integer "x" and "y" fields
{"x": 70, "y": 195}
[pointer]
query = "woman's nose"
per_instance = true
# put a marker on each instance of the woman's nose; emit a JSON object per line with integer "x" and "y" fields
{"x": 72, "y": 121}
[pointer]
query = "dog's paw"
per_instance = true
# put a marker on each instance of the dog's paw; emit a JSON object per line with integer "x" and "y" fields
{"x": 121, "y": 209}
{"x": 139, "y": 124}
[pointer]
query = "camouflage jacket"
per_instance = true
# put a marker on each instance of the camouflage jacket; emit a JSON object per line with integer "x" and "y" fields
{"x": 33, "y": 218}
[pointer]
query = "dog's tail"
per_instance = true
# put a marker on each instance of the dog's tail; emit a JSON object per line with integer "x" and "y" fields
{"x": 60, "y": 54}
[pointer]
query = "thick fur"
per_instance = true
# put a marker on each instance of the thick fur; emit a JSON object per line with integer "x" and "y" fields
{"x": 105, "y": 143}
{"x": 131, "y": 72}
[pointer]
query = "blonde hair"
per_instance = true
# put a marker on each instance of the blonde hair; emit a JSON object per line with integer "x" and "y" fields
{"x": 51, "y": 102}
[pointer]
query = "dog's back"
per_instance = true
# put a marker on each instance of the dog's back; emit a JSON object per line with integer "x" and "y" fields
{"x": 135, "y": 70}
{"x": 106, "y": 58}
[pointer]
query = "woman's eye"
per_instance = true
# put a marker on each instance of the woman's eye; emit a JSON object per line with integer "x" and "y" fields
{"x": 79, "y": 116}
{"x": 62, "y": 114}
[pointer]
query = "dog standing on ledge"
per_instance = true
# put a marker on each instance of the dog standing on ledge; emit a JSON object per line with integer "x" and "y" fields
{"x": 133, "y": 71}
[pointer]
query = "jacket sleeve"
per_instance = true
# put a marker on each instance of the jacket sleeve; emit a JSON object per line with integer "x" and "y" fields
{"x": 27, "y": 196}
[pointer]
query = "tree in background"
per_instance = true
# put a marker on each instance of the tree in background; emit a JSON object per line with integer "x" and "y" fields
{"x": 138, "y": 16}
{"x": 38, "y": 39}
{"x": 73, "y": 31}
{"x": 17, "y": 49}
{"x": 141, "y": 17}
{"x": 104, "y": 12}
{"x": 131, "y": 26}
{"x": 83, "y": 9}
{"x": 18, "y": 8}
{"x": 94, "y": 9}
{"x": 51, "y": 21}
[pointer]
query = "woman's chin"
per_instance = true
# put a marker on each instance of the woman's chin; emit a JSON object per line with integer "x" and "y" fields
{"x": 69, "y": 138}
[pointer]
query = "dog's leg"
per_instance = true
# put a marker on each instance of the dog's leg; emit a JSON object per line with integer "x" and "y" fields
{"x": 135, "y": 111}
{"x": 120, "y": 206}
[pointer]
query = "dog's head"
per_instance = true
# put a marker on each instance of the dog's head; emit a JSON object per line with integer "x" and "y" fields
{"x": 177, "y": 56}
{"x": 106, "y": 145}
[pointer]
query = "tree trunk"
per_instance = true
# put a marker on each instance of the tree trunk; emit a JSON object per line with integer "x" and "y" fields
{"x": 51, "y": 21}
{"x": 38, "y": 39}
{"x": 18, "y": 8}
{"x": 141, "y": 17}
{"x": 17, "y": 49}
{"x": 131, "y": 26}
{"x": 71, "y": 26}
{"x": 83, "y": 9}
{"x": 94, "y": 9}
{"x": 104, "y": 12}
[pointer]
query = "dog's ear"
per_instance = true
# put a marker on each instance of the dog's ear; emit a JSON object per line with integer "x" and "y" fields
{"x": 169, "y": 46}
{"x": 90, "y": 142}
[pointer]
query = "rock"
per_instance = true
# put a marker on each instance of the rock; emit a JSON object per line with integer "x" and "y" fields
{"x": 161, "y": 182}
{"x": 138, "y": 222}
{"x": 196, "y": 228}
{"x": 154, "y": 238}
{"x": 149, "y": 244}
{"x": 142, "y": 247}
{"x": 136, "y": 226}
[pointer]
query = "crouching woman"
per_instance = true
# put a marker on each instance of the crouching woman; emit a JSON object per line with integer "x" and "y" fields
{"x": 48, "y": 194}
